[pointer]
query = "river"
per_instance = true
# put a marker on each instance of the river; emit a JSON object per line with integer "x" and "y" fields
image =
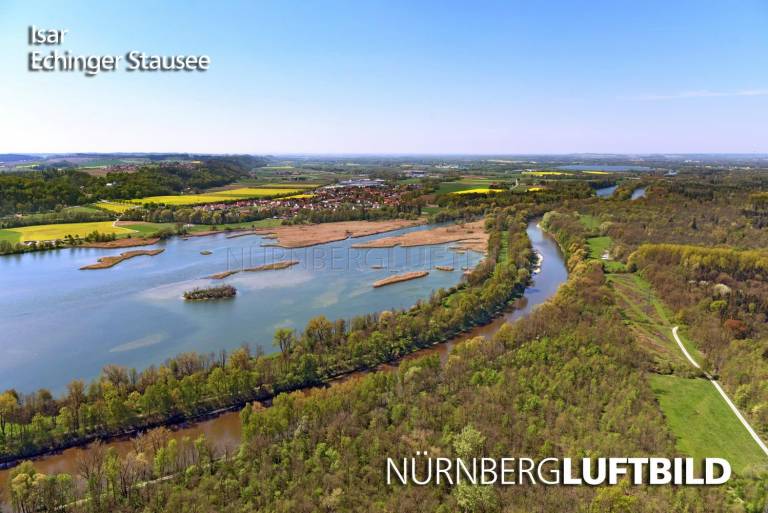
{"x": 224, "y": 431}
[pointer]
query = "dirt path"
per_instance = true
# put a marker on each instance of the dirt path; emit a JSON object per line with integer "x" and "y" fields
{"x": 717, "y": 386}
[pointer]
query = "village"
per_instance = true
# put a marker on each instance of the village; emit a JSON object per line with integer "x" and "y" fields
{"x": 354, "y": 194}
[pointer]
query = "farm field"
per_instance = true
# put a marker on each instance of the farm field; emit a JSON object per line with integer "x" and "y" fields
{"x": 464, "y": 184}
{"x": 546, "y": 173}
{"x": 116, "y": 207}
{"x": 299, "y": 196}
{"x": 59, "y": 231}
{"x": 215, "y": 197}
{"x": 478, "y": 190}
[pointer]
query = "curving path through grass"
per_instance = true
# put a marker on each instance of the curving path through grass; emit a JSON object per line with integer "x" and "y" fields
{"x": 717, "y": 386}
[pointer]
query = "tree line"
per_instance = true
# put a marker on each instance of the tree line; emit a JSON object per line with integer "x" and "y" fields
{"x": 42, "y": 191}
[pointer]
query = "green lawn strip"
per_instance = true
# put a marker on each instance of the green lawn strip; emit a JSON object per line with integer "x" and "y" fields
{"x": 10, "y": 236}
{"x": 149, "y": 229}
{"x": 589, "y": 221}
{"x": 703, "y": 423}
{"x": 666, "y": 316}
{"x": 504, "y": 251}
{"x": 263, "y": 223}
{"x": 84, "y": 209}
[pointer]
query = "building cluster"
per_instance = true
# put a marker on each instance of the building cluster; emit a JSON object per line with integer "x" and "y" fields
{"x": 355, "y": 194}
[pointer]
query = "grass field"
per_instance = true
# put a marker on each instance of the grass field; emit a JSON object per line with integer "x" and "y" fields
{"x": 215, "y": 197}
{"x": 696, "y": 414}
{"x": 59, "y": 231}
{"x": 703, "y": 423}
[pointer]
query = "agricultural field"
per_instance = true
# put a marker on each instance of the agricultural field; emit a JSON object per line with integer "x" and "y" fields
{"x": 299, "y": 196}
{"x": 465, "y": 184}
{"x": 546, "y": 173}
{"x": 115, "y": 207}
{"x": 219, "y": 196}
{"x": 59, "y": 231}
{"x": 478, "y": 190}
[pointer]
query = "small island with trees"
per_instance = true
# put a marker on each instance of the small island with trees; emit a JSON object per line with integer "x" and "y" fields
{"x": 222, "y": 292}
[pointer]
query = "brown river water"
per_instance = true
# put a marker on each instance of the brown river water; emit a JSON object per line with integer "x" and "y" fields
{"x": 224, "y": 431}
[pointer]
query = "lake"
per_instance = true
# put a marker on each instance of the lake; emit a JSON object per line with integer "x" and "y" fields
{"x": 58, "y": 323}
{"x": 224, "y": 431}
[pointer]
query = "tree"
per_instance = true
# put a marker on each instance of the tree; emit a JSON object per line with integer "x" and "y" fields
{"x": 8, "y": 408}
{"x": 75, "y": 398}
{"x": 318, "y": 332}
{"x": 284, "y": 339}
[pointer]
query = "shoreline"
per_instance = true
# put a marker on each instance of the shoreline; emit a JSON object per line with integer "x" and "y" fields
{"x": 264, "y": 397}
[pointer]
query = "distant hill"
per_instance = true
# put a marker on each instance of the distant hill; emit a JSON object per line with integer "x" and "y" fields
{"x": 16, "y": 157}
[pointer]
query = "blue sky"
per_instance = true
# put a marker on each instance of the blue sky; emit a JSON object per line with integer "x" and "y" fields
{"x": 396, "y": 77}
